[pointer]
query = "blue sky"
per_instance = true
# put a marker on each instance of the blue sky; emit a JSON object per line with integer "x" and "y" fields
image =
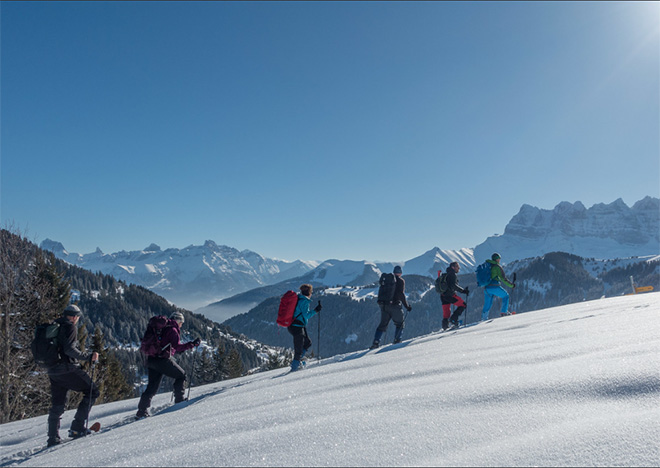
{"x": 316, "y": 130}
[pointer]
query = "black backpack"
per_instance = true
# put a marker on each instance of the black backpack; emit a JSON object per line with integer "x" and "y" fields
{"x": 44, "y": 346}
{"x": 387, "y": 287}
{"x": 441, "y": 286}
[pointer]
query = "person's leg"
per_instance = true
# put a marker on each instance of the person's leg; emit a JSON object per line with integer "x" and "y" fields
{"x": 58, "y": 401}
{"x": 396, "y": 312}
{"x": 81, "y": 382}
{"x": 501, "y": 292}
{"x": 171, "y": 369}
{"x": 460, "y": 307}
{"x": 307, "y": 342}
{"x": 155, "y": 378}
{"x": 488, "y": 303}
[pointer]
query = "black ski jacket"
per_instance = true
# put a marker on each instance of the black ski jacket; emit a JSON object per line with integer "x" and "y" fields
{"x": 452, "y": 283}
{"x": 67, "y": 339}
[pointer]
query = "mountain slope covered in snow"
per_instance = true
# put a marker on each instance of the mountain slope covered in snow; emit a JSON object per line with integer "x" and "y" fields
{"x": 604, "y": 231}
{"x": 191, "y": 277}
{"x": 575, "y": 385}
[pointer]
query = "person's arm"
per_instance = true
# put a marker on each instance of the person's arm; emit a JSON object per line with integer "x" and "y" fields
{"x": 500, "y": 276}
{"x": 68, "y": 338}
{"x": 400, "y": 293}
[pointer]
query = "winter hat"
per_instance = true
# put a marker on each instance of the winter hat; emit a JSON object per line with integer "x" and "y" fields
{"x": 397, "y": 270}
{"x": 178, "y": 316}
{"x": 73, "y": 311}
{"x": 495, "y": 256}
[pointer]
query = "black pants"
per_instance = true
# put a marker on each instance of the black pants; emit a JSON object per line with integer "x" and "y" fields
{"x": 158, "y": 367}
{"x": 301, "y": 341}
{"x": 65, "y": 377}
{"x": 389, "y": 312}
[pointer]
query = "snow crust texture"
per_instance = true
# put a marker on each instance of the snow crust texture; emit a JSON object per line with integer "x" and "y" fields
{"x": 576, "y": 385}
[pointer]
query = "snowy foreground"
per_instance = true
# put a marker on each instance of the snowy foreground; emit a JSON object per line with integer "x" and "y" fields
{"x": 577, "y": 385}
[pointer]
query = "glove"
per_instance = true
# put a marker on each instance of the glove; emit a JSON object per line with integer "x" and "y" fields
{"x": 467, "y": 291}
{"x": 318, "y": 308}
{"x": 409, "y": 308}
{"x": 197, "y": 342}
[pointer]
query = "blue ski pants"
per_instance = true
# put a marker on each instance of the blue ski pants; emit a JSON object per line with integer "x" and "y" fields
{"x": 489, "y": 293}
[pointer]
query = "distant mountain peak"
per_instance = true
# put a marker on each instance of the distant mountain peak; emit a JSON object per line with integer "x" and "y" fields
{"x": 612, "y": 230}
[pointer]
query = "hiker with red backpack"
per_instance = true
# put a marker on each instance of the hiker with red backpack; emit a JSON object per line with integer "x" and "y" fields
{"x": 161, "y": 340}
{"x": 391, "y": 296}
{"x": 449, "y": 297}
{"x": 493, "y": 288}
{"x": 298, "y": 328}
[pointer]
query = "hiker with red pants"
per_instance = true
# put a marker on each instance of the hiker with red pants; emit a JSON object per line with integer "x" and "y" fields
{"x": 163, "y": 364}
{"x": 449, "y": 297}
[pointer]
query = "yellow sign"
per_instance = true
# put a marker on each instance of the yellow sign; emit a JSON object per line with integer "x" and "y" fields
{"x": 644, "y": 289}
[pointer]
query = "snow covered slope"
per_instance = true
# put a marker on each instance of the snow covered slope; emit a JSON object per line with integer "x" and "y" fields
{"x": 577, "y": 385}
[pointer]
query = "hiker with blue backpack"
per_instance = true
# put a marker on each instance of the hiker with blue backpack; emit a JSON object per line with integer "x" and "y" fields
{"x": 161, "y": 340}
{"x": 298, "y": 328}
{"x": 490, "y": 275}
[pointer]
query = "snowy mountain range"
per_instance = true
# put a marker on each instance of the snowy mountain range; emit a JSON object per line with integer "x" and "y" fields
{"x": 602, "y": 231}
{"x": 554, "y": 387}
{"x": 191, "y": 277}
{"x": 197, "y": 276}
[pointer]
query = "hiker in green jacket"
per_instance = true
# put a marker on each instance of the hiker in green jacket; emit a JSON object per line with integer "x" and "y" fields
{"x": 494, "y": 288}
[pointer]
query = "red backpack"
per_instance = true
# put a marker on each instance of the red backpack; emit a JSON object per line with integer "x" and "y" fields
{"x": 151, "y": 345}
{"x": 288, "y": 305}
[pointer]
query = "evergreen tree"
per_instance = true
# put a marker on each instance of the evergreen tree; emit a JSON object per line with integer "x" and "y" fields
{"x": 235, "y": 367}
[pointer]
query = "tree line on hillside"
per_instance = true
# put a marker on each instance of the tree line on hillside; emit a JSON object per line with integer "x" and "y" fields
{"x": 35, "y": 287}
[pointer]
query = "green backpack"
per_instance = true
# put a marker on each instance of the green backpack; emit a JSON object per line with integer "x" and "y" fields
{"x": 441, "y": 284}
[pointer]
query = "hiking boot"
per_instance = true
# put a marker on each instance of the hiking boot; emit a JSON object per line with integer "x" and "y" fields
{"x": 375, "y": 345}
{"x": 504, "y": 314}
{"x": 397, "y": 341}
{"x": 53, "y": 441}
{"x": 78, "y": 434}
{"x": 142, "y": 414}
{"x": 295, "y": 364}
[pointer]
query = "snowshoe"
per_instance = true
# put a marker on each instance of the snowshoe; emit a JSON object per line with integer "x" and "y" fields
{"x": 78, "y": 434}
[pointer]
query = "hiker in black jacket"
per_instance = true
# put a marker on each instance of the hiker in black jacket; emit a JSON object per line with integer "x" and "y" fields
{"x": 67, "y": 375}
{"x": 393, "y": 311}
{"x": 449, "y": 297}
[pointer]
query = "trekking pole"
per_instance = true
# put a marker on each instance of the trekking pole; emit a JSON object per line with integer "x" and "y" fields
{"x": 513, "y": 303}
{"x": 318, "y": 337}
{"x": 91, "y": 389}
{"x": 192, "y": 373}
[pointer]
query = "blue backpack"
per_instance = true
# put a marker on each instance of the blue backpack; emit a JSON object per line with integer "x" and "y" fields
{"x": 483, "y": 274}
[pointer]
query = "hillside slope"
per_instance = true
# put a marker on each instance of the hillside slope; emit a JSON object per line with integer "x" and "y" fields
{"x": 575, "y": 385}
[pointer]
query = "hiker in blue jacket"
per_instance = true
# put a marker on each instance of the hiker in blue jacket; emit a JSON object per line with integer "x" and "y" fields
{"x": 301, "y": 341}
{"x": 494, "y": 288}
